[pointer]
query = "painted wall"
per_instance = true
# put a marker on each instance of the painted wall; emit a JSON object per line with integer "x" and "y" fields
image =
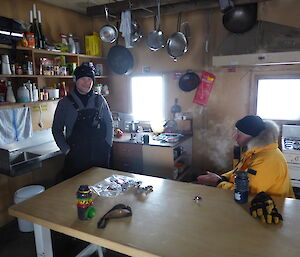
{"x": 230, "y": 98}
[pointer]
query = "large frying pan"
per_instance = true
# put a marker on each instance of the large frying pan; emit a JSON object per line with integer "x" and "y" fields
{"x": 120, "y": 60}
{"x": 240, "y": 18}
{"x": 189, "y": 81}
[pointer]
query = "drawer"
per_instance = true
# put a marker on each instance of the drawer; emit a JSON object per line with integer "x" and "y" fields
{"x": 294, "y": 172}
{"x": 292, "y": 158}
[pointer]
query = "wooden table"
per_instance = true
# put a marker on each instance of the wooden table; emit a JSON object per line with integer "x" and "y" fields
{"x": 167, "y": 222}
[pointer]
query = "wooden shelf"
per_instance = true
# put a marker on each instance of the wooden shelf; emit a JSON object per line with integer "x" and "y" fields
{"x": 7, "y": 105}
{"x": 18, "y": 76}
{"x": 42, "y": 51}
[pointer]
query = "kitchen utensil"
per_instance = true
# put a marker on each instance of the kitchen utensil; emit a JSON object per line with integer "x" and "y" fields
{"x": 177, "y": 44}
{"x": 240, "y": 18}
{"x": 136, "y": 33}
{"x": 189, "y": 81}
{"x": 155, "y": 40}
{"x": 120, "y": 60}
{"x": 108, "y": 33}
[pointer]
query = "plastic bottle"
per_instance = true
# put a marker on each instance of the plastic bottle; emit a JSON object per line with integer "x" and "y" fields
{"x": 10, "y": 97}
{"x": 62, "y": 90}
{"x": 29, "y": 87}
{"x": 23, "y": 94}
{"x": 35, "y": 93}
{"x": 71, "y": 43}
{"x": 241, "y": 187}
{"x": 85, "y": 207}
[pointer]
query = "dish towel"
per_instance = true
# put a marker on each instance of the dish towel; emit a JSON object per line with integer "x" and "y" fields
{"x": 15, "y": 125}
{"x": 125, "y": 28}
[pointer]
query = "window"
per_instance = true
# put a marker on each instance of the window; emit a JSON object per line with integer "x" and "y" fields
{"x": 147, "y": 96}
{"x": 278, "y": 98}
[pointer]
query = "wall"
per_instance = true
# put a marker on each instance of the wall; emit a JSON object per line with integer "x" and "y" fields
{"x": 230, "y": 98}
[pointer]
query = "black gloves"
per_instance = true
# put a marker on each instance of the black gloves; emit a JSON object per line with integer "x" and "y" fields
{"x": 263, "y": 206}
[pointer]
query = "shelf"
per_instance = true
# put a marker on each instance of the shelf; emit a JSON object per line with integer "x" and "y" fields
{"x": 16, "y": 105}
{"x": 42, "y": 51}
{"x": 17, "y": 76}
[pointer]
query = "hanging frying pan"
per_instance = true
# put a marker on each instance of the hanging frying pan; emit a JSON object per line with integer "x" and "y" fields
{"x": 240, "y": 18}
{"x": 120, "y": 60}
{"x": 155, "y": 39}
{"x": 177, "y": 44}
{"x": 189, "y": 81}
{"x": 108, "y": 33}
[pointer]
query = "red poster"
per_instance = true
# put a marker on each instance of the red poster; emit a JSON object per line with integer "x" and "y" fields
{"x": 204, "y": 88}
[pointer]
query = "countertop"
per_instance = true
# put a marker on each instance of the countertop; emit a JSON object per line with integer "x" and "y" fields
{"x": 125, "y": 138}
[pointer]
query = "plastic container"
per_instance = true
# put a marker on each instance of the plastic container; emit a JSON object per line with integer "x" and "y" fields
{"x": 241, "y": 187}
{"x": 10, "y": 97}
{"x": 23, "y": 94}
{"x": 53, "y": 92}
{"x": 23, "y": 194}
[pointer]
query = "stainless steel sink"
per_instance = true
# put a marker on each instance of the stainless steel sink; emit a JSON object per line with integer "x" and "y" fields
{"x": 18, "y": 162}
{"x": 22, "y": 157}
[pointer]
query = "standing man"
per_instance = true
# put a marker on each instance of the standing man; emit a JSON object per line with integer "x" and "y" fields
{"x": 262, "y": 156}
{"x": 82, "y": 126}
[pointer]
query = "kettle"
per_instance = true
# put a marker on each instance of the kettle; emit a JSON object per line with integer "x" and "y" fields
{"x": 5, "y": 66}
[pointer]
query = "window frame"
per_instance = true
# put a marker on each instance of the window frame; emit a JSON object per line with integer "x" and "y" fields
{"x": 163, "y": 92}
{"x": 254, "y": 94}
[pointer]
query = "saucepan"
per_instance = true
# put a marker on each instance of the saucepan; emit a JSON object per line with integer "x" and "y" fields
{"x": 155, "y": 40}
{"x": 108, "y": 33}
{"x": 136, "y": 33}
{"x": 177, "y": 44}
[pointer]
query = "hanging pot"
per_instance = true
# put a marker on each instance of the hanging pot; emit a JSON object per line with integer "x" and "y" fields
{"x": 155, "y": 40}
{"x": 108, "y": 33}
{"x": 240, "y": 18}
{"x": 120, "y": 60}
{"x": 189, "y": 81}
{"x": 136, "y": 33}
{"x": 177, "y": 44}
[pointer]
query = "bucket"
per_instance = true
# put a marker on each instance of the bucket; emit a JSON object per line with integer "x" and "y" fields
{"x": 23, "y": 194}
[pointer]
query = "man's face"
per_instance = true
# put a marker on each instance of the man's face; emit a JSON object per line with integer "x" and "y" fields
{"x": 241, "y": 138}
{"x": 84, "y": 85}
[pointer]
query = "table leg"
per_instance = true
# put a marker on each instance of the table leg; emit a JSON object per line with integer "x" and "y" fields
{"x": 89, "y": 250}
{"x": 43, "y": 242}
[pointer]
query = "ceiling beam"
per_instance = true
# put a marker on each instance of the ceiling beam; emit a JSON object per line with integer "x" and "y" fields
{"x": 148, "y": 8}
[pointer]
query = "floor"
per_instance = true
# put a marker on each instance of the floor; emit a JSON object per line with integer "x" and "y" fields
{"x": 14, "y": 243}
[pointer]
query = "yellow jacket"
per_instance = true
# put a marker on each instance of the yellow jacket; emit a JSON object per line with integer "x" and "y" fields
{"x": 271, "y": 169}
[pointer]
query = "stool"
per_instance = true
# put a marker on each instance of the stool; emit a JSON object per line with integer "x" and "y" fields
{"x": 21, "y": 195}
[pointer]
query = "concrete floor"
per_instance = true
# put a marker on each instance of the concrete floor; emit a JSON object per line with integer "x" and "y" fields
{"x": 14, "y": 243}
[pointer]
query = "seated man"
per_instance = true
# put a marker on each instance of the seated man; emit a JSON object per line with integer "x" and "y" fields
{"x": 262, "y": 155}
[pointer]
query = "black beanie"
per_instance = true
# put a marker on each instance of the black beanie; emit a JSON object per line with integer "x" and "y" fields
{"x": 251, "y": 125}
{"x": 84, "y": 71}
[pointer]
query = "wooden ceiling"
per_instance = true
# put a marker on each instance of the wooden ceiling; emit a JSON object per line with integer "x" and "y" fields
{"x": 148, "y": 8}
{"x": 141, "y": 8}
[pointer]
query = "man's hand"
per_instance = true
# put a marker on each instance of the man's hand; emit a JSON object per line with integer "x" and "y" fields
{"x": 210, "y": 179}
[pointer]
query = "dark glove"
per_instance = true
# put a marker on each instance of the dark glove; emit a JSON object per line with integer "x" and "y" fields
{"x": 263, "y": 206}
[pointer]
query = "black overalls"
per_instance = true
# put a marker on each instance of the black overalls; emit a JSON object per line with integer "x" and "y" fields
{"x": 88, "y": 147}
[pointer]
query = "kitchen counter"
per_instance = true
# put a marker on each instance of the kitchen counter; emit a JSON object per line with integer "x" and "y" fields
{"x": 152, "y": 141}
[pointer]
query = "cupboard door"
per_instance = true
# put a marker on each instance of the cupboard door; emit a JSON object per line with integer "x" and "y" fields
{"x": 127, "y": 157}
